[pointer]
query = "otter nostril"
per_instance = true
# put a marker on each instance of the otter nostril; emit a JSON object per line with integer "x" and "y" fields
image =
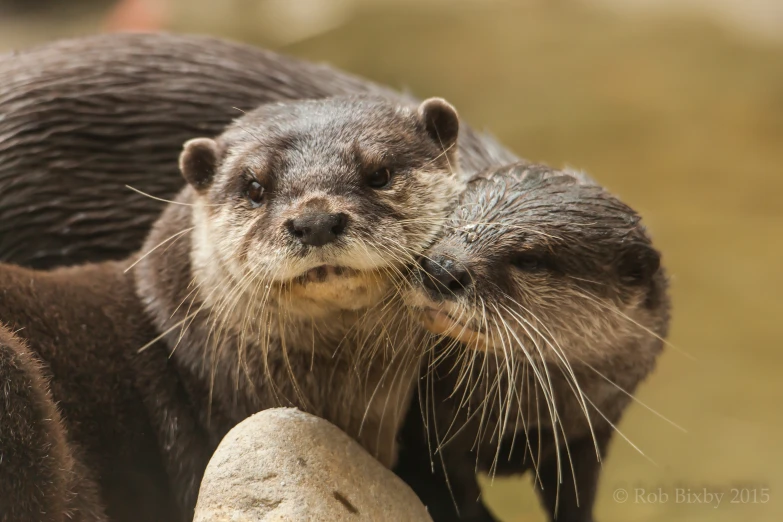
{"x": 455, "y": 286}
{"x": 340, "y": 223}
{"x": 463, "y": 278}
{"x": 294, "y": 229}
{"x": 445, "y": 277}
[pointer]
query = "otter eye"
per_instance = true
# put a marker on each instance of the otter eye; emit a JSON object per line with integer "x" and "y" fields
{"x": 530, "y": 262}
{"x": 255, "y": 193}
{"x": 379, "y": 179}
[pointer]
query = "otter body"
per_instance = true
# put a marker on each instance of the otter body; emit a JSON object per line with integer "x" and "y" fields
{"x": 267, "y": 282}
{"x": 77, "y": 434}
{"x": 84, "y": 118}
{"x": 554, "y": 307}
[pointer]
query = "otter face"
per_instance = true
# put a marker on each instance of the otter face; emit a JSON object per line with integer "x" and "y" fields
{"x": 327, "y": 199}
{"x": 540, "y": 264}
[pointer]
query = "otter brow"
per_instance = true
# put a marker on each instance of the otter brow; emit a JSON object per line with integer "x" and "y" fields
{"x": 371, "y": 157}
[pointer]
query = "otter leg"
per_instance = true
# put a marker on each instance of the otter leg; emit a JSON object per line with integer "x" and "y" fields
{"x": 39, "y": 476}
{"x": 564, "y": 506}
{"x": 424, "y": 473}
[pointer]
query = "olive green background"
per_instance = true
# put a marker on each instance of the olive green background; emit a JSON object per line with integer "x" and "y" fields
{"x": 681, "y": 117}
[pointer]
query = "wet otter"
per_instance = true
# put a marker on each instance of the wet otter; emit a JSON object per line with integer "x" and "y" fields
{"x": 559, "y": 303}
{"x": 268, "y": 281}
{"x": 84, "y": 118}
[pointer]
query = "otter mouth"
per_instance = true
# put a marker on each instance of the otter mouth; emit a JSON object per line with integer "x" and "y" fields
{"x": 441, "y": 323}
{"x": 323, "y": 273}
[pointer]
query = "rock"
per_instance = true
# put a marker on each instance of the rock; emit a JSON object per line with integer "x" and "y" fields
{"x": 284, "y": 464}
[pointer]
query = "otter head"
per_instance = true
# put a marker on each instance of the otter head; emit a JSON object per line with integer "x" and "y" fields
{"x": 321, "y": 201}
{"x": 535, "y": 264}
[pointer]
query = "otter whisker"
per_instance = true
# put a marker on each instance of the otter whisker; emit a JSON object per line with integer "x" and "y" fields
{"x": 444, "y": 153}
{"x": 172, "y": 202}
{"x": 468, "y": 358}
{"x": 614, "y": 310}
{"x": 633, "y": 397}
{"x": 485, "y": 412}
{"x": 162, "y": 335}
{"x": 262, "y": 279}
{"x": 547, "y": 390}
{"x": 525, "y": 384}
{"x": 189, "y": 294}
{"x": 174, "y": 236}
{"x": 503, "y": 410}
{"x": 617, "y": 430}
{"x": 384, "y": 374}
{"x": 565, "y": 437}
{"x": 561, "y": 355}
{"x": 508, "y": 358}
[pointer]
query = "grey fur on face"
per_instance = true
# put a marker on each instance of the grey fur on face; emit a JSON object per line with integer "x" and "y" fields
{"x": 546, "y": 255}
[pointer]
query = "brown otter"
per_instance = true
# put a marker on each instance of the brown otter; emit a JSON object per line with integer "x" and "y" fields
{"x": 82, "y": 119}
{"x": 559, "y": 303}
{"x": 269, "y": 281}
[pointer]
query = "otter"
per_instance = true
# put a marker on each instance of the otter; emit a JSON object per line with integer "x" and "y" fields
{"x": 553, "y": 305}
{"x": 83, "y": 119}
{"x": 269, "y": 280}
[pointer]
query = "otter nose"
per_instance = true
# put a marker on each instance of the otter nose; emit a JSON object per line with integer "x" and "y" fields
{"x": 317, "y": 228}
{"x": 444, "y": 276}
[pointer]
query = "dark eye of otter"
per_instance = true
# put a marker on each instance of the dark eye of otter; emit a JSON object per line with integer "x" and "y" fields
{"x": 255, "y": 193}
{"x": 531, "y": 262}
{"x": 379, "y": 179}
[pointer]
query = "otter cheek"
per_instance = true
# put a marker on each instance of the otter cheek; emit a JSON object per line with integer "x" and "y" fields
{"x": 439, "y": 323}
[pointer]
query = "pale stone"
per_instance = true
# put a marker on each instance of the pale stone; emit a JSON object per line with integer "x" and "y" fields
{"x": 284, "y": 464}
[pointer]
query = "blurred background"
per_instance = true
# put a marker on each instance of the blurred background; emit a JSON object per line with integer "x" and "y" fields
{"x": 674, "y": 105}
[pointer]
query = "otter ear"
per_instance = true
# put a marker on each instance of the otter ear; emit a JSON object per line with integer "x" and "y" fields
{"x": 638, "y": 264}
{"x": 441, "y": 121}
{"x": 198, "y": 162}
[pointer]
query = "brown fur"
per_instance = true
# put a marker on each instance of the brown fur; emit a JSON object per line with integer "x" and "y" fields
{"x": 35, "y": 448}
{"x": 99, "y": 384}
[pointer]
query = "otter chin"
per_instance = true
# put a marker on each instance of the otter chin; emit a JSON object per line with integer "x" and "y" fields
{"x": 326, "y": 273}
{"x": 325, "y": 289}
{"x": 439, "y": 322}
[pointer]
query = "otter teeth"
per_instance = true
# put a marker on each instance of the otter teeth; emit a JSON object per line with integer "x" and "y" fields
{"x": 321, "y": 273}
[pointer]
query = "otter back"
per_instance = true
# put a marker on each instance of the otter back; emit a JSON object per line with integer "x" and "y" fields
{"x": 84, "y": 118}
